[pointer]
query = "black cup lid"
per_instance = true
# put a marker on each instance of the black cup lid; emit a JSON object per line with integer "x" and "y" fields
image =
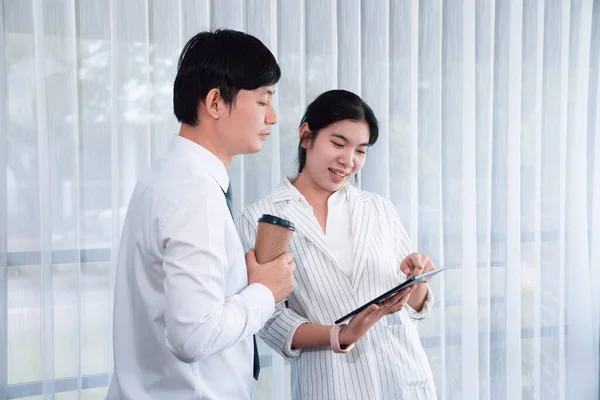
{"x": 271, "y": 219}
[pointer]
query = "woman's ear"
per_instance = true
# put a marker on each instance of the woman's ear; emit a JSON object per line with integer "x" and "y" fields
{"x": 305, "y": 136}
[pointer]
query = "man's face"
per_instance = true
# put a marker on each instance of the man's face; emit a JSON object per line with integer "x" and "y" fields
{"x": 249, "y": 122}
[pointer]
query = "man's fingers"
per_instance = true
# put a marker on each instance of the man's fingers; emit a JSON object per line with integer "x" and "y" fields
{"x": 286, "y": 257}
{"x": 250, "y": 256}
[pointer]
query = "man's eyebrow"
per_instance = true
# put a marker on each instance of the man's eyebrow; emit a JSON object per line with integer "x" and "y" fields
{"x": 345, "y": 139}
{"x": 269, "y": 91}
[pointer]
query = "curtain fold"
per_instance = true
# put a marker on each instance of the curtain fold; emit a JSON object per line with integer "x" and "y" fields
{"x": 489, "y": 116}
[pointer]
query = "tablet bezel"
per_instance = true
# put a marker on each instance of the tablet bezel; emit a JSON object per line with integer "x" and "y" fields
{"x": 410, "y": 282}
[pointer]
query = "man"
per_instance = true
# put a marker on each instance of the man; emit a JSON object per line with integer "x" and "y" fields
{"x": 187, "y": 301}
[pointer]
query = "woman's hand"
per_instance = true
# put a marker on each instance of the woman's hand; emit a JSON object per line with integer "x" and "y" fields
{"x": 364, "y": 320}
{"x": 416, "y": 264}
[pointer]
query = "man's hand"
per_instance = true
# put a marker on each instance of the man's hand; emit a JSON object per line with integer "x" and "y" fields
{"x": 416, "y": 264}
{"x": 277, "y": 275}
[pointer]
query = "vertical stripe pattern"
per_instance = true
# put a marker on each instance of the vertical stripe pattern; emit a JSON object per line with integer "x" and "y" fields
{"x": 389, "y": 361}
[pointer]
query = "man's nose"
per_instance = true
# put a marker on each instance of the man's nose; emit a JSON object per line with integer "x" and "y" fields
{"x": 271, "y": 117}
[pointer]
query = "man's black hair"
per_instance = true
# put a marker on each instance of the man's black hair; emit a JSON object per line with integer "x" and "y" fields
{"x": 225, "y": 59}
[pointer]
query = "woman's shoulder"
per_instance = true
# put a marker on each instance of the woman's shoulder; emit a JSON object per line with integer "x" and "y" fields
{"x": 383, "y": 207}
{"x": 258, "y": 207}
{"x": 265, "y": 205}
{"x": 374, "y": 198}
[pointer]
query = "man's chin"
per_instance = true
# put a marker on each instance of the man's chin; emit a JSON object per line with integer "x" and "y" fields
{"x": 254, "y": 148}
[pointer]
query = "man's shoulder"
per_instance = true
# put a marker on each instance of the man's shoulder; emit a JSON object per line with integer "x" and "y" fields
{"x": 177, "y": 182}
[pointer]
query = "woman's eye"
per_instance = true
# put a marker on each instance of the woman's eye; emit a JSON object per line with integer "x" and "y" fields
{"x": 337, "y": 144}
{"x": 262, "y": 104}
{"x": 361, "y": 151}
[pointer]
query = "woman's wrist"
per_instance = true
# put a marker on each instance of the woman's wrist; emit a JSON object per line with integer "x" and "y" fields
{"x": 345, "y": 336}
{"x": 334, "y": 338}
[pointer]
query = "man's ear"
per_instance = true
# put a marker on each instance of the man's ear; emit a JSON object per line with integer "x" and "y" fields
{"x": 305, "y": 136}
{"x": 214, "y": 103}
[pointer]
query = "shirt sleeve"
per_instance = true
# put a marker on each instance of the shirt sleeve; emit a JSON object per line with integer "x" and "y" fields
{"x": 200, "y": 319}
{"x": 278, "y": 332}
{"x": 425, "y": 311}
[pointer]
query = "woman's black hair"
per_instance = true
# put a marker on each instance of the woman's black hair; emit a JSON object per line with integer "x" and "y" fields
{"x": 225, "y": 59}
{"x": 331, "y": 107}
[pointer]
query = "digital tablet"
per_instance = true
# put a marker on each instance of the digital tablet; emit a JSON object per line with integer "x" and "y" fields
{"x": 412, "y": 281}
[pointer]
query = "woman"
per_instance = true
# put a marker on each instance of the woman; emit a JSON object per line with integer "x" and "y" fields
{"x": 349, "y": 247}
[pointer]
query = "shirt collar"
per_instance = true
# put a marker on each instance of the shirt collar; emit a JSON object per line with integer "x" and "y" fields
{"x": 296, "y": 195}
{"x": 202, "y": 158}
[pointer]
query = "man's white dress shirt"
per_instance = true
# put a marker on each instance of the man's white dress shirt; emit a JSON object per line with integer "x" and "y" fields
{"x": 184, "y": 314}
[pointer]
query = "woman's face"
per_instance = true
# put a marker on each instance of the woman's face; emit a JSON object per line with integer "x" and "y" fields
{"x": 336, "y": 154}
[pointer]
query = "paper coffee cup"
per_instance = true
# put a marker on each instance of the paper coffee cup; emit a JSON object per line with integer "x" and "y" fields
{"x": 272, "y": 237}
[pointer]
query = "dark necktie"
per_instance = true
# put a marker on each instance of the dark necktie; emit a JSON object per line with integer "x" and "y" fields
{"x": 256, "y": 371}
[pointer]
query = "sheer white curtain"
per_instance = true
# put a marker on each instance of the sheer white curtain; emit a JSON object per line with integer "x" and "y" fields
{"x": 489, "y": 147}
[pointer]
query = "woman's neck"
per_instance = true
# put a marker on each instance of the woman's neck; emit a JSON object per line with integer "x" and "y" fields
{"x": 315, "y": 195}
